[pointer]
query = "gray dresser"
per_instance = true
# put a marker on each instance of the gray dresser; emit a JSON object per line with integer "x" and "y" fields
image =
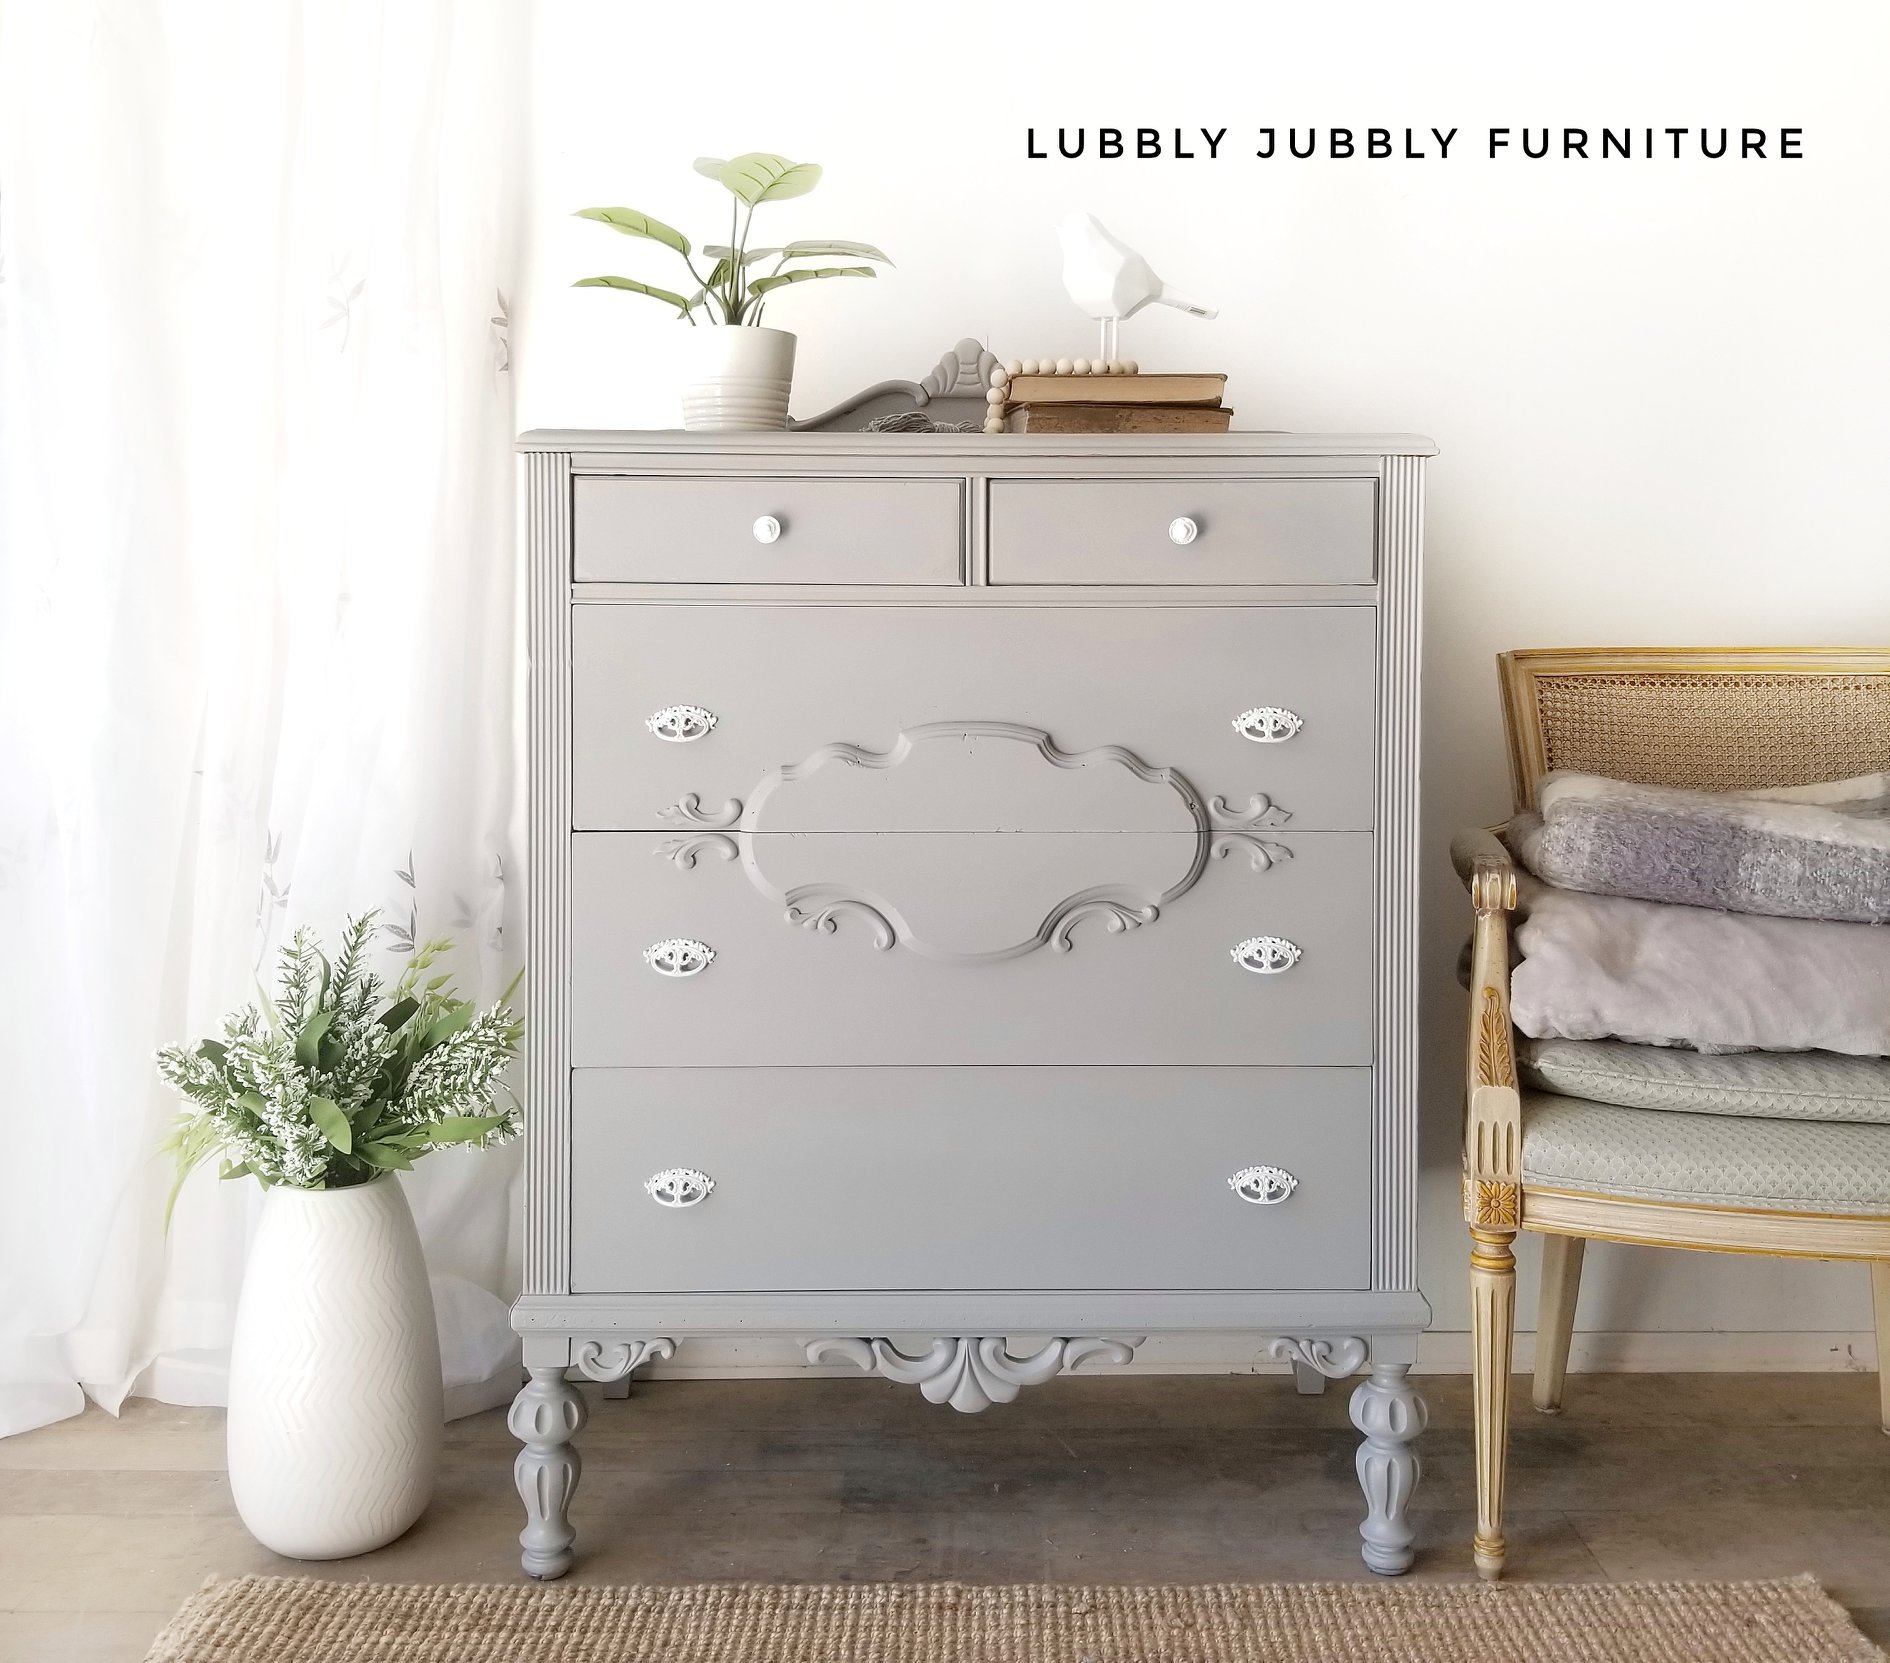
{"x": 972, "y": 915}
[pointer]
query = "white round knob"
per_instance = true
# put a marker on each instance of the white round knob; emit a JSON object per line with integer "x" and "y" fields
{"x": 1183, "y": 530}
{"x": 767, "y": 529}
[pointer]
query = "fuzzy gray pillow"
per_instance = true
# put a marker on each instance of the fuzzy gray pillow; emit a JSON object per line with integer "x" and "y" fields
{"x": 1814, "y": 851}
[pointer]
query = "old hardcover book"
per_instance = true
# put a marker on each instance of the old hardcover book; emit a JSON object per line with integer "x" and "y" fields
{"x": 1117, "y": 389}
{"x": 1118, "y": 418}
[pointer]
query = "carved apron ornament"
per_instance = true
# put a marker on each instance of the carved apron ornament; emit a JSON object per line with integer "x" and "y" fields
{"x": 1106, "y": 788}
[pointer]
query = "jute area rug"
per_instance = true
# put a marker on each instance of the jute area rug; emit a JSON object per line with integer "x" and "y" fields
{"x": 279, "y": 1619}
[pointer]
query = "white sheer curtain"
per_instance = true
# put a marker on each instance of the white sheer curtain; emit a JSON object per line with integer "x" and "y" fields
{"x": 257, "y": 615}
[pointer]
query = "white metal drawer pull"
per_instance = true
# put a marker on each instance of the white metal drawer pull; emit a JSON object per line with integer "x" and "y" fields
{"x": 1268, "y": 724}
{"x": 1266, "y": 955}
{"x": 1183, "y": 530}
{"x": 679, "y": 1186}
{"x": 767, "y": 529}
{"x": 680, "y": 723}
{"x": 1264, "y": 1186}
{"x": 679, "y": 957}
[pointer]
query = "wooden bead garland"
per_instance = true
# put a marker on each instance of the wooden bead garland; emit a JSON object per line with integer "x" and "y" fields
{"x": 999, "y": 395}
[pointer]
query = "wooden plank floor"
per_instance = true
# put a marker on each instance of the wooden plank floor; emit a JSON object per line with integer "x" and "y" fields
{"x": 106, "y": 1525}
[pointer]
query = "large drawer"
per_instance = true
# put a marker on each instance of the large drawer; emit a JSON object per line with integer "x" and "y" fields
{"x": 768, "y": 530}
{"x": 838, "y": 948}
{"x": 969, "y": 1178}
{"x": 718, "y": 702}
{"x": 1183, "y": 531}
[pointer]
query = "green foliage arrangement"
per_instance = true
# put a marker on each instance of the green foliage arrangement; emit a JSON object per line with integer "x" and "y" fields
{"x": 728, "y": 294}
{"x": 339, "y": 1078}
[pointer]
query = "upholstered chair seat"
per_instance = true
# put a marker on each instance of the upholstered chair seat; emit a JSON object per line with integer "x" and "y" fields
{"x": 1709, "y": 1160}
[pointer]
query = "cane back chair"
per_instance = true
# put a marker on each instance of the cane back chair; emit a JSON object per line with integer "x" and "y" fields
{"x": 1708, "y": 719}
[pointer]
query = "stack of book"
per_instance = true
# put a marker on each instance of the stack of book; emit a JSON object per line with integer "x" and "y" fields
{"x": 1116, "y": 404}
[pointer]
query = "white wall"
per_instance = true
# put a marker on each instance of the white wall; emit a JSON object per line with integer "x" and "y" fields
{"x": 1661, "y": 389}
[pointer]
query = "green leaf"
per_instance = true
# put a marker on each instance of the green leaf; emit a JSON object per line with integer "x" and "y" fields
{"x": 859, "y": 251}
{"x": 761, "y": 177}
{"x": 462, "y": 1128}
{"x": 448, "y": 1024}
{"x": 308, "y": 1042}
{"x": 396, "y": 1015}
{"x": 213, "y": 1049}
{"x": 633, "y": 224}
{"x": 327, "y": 1114}
{"x": 762, "y": 285}
{"x": 231, "y": 1169}
{"x": 710, "y": 167}
{"x": 253, "y": 1102}
{"x": 363, "y": 1115}
{"x": 721, "y": 251}
{"x": 386, "y": 1157}
{"x": 631, "y": 286}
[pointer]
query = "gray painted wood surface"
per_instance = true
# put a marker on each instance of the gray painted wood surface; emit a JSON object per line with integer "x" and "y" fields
{"x": 965, "y": 765}
{"x": 1395, "y": 812}
{"x": 784, "y": 682}
{"x": 790, "y": 991}
{"x": 1245, "y": 531}
{"x": 997, "y": 1178}
{"x": 826, "y": 530}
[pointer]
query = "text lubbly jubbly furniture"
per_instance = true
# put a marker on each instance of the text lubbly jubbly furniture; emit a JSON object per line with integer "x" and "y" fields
{"x": 972, "y": 910}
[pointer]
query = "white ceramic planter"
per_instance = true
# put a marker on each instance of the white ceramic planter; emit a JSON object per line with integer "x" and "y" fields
{"x": 737, "y": 379}
{"x": 336, "y": 1407}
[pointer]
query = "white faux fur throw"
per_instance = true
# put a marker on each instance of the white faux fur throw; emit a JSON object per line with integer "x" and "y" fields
{"x": 1609, "y": 967}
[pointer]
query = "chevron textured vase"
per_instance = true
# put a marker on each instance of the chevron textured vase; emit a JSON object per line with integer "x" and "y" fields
{"x": 335, "y": 1401}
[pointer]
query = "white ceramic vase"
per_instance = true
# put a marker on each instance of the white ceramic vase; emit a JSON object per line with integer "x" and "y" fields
{"x": 336, "y": 1408}
{"x": 736, "y": 379}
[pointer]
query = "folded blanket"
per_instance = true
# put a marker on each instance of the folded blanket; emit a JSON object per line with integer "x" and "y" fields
{"x": 1813, "y": 851}
{"x": 1608, "y": 967}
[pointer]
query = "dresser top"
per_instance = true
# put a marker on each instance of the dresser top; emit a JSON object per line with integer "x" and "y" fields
{"x": 971, "y": 448}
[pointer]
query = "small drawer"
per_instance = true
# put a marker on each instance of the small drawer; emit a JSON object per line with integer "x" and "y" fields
{"x": 700, "y": 948}
{"x": 768, "y": 530}
{"x": 791, "y": 1179}
{"x": 1231, "y": 531}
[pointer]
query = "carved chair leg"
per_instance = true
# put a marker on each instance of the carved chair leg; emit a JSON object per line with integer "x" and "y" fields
{"x": 1555, "y": 1317}
{"x": 1492, "y": 1337}
{"x": 1880, "y": 1302}
{"x": 546, "y": 1415}
{"x": 1388, "y": 1410}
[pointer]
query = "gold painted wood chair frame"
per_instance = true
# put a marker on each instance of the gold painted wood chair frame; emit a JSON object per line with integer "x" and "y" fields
{"x": 1704, "y": 718}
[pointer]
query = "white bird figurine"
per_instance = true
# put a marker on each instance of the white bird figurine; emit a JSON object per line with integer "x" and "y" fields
{"x": 1110, "y": 281}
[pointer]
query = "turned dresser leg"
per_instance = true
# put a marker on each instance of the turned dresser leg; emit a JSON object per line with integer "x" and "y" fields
{"x": 1388, "y": 1410}
{"x": 546, "y": 1415}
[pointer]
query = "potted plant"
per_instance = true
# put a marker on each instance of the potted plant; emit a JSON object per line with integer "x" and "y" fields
{"x": 740, "y": 372}
{"x": 324, "y": 1094}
